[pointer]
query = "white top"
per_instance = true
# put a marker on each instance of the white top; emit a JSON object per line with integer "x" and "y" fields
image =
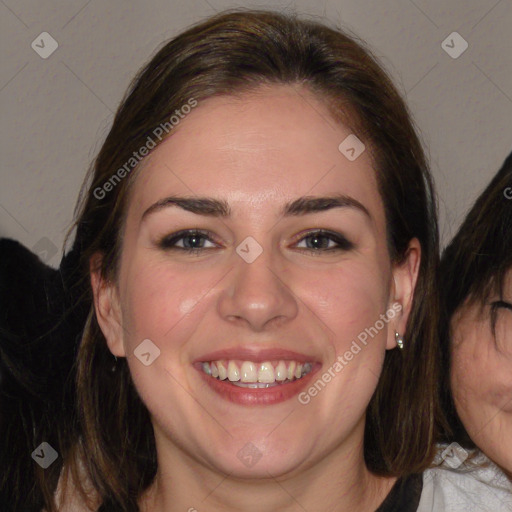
{"x": 468, "y": 488}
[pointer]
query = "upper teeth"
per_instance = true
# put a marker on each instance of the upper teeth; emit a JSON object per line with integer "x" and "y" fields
{"x": 248, "y": 371}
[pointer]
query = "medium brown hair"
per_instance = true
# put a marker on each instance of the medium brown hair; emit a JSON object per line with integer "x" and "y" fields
{"x": 232, "y": 53}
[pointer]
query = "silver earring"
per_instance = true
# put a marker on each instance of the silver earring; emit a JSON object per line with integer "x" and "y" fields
{"x": 399, "y": 341}
{"x": 114, "y": 366}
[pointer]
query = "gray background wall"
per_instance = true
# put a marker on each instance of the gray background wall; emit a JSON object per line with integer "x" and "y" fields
{"x": 56, "y": 111}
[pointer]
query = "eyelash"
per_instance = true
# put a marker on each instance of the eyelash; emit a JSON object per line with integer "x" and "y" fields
{"x": 168, "y": 242}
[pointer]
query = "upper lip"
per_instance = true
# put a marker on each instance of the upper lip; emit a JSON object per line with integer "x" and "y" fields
{"x": 256, "y": 355}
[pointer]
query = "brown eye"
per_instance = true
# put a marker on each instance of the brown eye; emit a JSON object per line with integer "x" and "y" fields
{"x": 319, "y": 240}
{"x": 192, "y": 241}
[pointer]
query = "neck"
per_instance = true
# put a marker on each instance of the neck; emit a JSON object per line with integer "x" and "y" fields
{"x": 338, "y": 481}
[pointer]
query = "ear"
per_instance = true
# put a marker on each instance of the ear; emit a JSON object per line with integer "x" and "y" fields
{"x": 107, "y": 307}
{"x": 405, "y": 275}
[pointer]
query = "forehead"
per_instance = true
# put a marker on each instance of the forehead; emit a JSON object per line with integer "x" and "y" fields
{"x": 257, "y": 149}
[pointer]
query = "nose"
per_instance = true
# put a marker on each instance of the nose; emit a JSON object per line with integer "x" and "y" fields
{"x": 257, "y": 295}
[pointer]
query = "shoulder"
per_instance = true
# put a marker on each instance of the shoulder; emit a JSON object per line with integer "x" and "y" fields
{"x": 475, "y": 486}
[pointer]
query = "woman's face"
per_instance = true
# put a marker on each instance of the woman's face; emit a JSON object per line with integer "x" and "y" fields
{"x": 263, "y": 293}
{"x": 481, "y": 375}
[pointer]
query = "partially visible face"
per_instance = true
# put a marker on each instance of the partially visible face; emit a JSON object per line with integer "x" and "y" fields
{"x": 286, "y": 296}
{"x": 481, "y": 375}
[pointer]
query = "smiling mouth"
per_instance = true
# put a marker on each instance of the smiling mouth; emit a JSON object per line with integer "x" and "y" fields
{"x": 256, "y": 375}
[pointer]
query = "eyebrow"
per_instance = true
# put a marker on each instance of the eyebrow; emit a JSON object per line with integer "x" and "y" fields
{"x": 211, "y": 207}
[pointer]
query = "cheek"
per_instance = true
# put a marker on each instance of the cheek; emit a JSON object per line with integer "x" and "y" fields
{"x": 496, "y": 380}
{"x": 352, "y": 304}
{"x": 469, "y": 359}
{"x": 481, "y": 377}
{"x": 158, "y": 300}
{"x": 351, "y": 300}
{"x": 461, "y": 380}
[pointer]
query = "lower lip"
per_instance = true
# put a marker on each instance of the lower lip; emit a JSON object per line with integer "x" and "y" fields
{"x": 261, "y": 396}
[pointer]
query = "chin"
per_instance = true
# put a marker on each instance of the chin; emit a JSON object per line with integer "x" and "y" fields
{"x": 258, "y": 456}
{"x": 259, "y": 465}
